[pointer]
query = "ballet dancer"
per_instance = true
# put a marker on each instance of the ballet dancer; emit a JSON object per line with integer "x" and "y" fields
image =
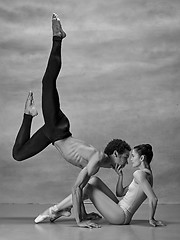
{"x": 56, "y": 130}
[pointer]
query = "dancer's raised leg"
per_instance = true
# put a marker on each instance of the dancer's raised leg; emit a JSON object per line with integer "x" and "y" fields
{"x": 53, "y": 116}
{"x": 26, "y": 147}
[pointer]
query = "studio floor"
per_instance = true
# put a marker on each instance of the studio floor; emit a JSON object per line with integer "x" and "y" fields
{"x": 17, "y": 223}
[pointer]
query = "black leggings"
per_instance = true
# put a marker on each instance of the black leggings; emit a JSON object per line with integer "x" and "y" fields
{"x": 56, "y": 125}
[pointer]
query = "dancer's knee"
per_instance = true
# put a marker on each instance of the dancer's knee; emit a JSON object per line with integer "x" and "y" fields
{"x": 94, "y": 181}
{"x": 16, "y": 156}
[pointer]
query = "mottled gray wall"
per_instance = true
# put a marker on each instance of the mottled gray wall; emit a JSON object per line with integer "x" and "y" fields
{"x": 120, "y": 79}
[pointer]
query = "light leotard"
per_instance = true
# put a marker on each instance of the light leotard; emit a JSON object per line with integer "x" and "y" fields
{"x": 134, "y": 197}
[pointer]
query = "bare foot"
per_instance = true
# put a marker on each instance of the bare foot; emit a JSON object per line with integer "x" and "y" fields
{"x": 56, "y": 27}
{"x": 30, "y": 108}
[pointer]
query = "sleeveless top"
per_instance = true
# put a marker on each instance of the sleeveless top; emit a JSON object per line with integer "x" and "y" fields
{"x": 135, "y": 196}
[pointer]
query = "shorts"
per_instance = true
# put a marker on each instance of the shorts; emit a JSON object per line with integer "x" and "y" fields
{"x": 128, "y": 215}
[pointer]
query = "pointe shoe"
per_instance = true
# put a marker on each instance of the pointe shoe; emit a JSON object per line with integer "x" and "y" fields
{"x": 51, "y": 215}
{"x": 56, "y": 27}
{"x": 30, "y": 108}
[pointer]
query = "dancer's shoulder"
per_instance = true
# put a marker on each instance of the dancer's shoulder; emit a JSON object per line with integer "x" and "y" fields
{"x": 139, "y": 175}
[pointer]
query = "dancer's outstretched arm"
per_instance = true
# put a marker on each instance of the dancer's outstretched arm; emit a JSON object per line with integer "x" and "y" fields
{"x": 140, "y": 177}
{"x": 77, "y": 196}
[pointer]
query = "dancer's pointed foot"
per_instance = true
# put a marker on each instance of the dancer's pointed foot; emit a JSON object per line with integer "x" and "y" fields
{"x": 56, "y": 27}
{"x": 30, "y": 108}
{"x": 65, "y": 213}
{"x": 51, "y": 215}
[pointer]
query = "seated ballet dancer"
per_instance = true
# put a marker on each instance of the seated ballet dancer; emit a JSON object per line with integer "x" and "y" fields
{"x": 56, "y": 130}
{"x": 113, "y": 210}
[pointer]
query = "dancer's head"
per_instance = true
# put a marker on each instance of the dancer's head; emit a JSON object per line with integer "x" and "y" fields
{"x": 141, "y": 153}
{"x": 118, "y": 151}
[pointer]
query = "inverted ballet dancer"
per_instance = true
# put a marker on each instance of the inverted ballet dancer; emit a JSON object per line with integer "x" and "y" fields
{"x": 56, "y": 130}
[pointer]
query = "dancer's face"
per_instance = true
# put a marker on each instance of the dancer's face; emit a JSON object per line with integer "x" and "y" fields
{"x": 135, "y": 158}
{"x": 121, "y": 159}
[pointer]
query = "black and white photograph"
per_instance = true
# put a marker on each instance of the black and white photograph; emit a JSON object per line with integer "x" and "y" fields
{"x": 89, "y": 119}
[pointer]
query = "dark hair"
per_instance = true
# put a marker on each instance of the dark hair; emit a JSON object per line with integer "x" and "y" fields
{"x": 146, "y": 150}
{"x": 116, "y": 144}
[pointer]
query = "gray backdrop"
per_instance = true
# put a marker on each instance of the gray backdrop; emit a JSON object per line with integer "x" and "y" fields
{"x": 120, "y": 79}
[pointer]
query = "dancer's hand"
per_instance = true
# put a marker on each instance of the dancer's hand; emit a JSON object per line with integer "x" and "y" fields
{"x": 118, "y": 170}
{"x": 88, "y": 224}
{"x": 156, "y": 223}
{"x": 92, "y": 216}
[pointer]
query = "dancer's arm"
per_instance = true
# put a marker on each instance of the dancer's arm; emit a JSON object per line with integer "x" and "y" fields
{"x": 82, "y": 179}
{"x": 120, "y": 190}
{"x": 140, "y": 177}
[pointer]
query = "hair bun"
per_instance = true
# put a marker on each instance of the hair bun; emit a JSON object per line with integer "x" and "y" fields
{"x": 145, "y": 149}
{"x": 149, "y": 147}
